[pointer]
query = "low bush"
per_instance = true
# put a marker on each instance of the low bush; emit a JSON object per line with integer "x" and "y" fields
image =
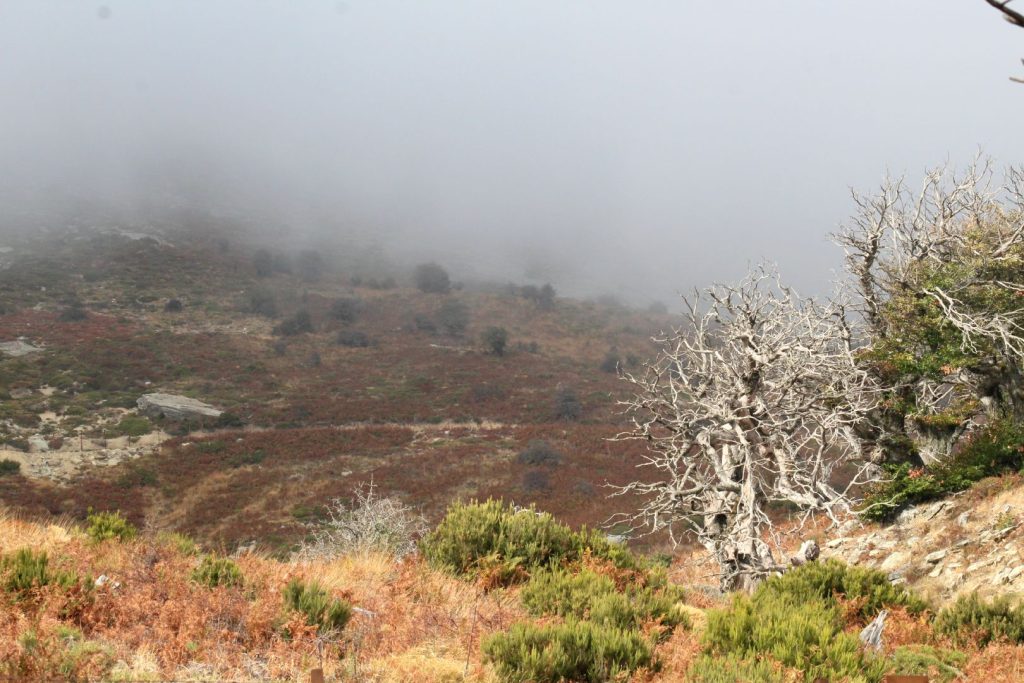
{"x": 588, "y": 595}
{"x": 217, "y": 571}
{"x": 103, "y": 526}
{"x": 938, "y": 664}
{"x": 261, "y": 302}
{"x": 453, "y": 317}
{"x": 9, "y": 467}
{"x": 567, "y": 405}
{"x": 133, "y": 425}
{"x": 180, "y": 542}
{"x": 346, "y": 310}
{"x": 571, "y": 651}
{"x": 611, "y": 361}
{"x": 352, "y": 339}
{"x": 74, "y": 313}
{"x": 495, "y": 339}
{"x": 733, "y": 669}
{"x": 173, "y": 306}
{"x": 432, "y": 278}
{"x": 973, "y": 620}
{"x": 991, "y": 451}
{"x": 26, "y": 570}
{"x": 328, "y": 614}
{"x": 496, "y": 539}
{"x": 539, "y": 452}
{"x": 869, "y": 589}
{"x": 300, "y": 323}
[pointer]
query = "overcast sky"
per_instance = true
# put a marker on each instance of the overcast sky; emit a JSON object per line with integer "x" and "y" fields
{"x": 639, "y": 147}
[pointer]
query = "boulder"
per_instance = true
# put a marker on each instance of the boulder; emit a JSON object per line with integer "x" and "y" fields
{"x": 37, "y": 444}
{"x": 174, "y": 407}
{"x": 17, "y": 348}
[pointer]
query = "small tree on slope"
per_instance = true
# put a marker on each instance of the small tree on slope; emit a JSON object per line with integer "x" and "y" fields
{"x": 753, "y": 402}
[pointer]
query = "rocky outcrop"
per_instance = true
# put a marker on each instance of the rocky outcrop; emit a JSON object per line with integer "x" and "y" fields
{"x": 17, "y": 348}
{"x": 174, "y": 407}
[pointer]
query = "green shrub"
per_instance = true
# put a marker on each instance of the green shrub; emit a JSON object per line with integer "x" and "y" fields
{"x": 997, "y": 449}
{"x": 539, "y": 452}
{"x": 595, "y": 597}
{"x": 495, "y": 339}
{"x": 453, "y": 317}
{"x": 831, "y": 578}
{"x": 492, "y": 536}
{"x": 26, "y": 570}
{"x": 133, "y": 425}
{"x": 300, "y": 323}
{"x": 432, "y": 278}
{"x": 923, "y": 660}
{"x": 217, "y": 571}
{"x": 572, "y": 651}
{"x": 9, "y": 467}
{"x": 731, "y": 669}
{"x": 970, "y": 619}
{"x": 180, "y": 542}
{"x": 103, "y": 526}
{"x": 806, "y": 634}
{"x": 326, "y": 613}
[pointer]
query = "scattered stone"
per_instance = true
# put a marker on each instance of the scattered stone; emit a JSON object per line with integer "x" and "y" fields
{"x": 935, "y": 573}
{"x": 937, "y": 556}
{"x": 963, "y": 518}
{"x": 809, "y": 552}
{"x": 174, "y": 407}
{"x": 17, "y": 348}
{"x": 835, "y": 543}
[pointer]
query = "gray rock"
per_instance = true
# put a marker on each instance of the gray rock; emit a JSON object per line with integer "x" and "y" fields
{"x": 37, "y": 444}
{"x": 871, "y": 636}
{"x": 937, "y": 556}
{"x": 175, "y": 407}
{"x": 17, "y": 348}
{"x": 809, "y": 551}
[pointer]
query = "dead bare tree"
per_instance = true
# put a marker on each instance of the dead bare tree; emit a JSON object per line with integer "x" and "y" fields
{"x": 956, "y": 242}
{"x": 1011, "y": 15}
{"x": 753, "y": 401}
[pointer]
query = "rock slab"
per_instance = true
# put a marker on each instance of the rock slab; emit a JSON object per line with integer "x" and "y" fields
{"x": 175, "y": 407}
{"x": 17, "y": 348}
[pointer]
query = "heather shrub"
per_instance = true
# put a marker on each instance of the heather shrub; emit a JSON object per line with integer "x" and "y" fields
{"x": 973, "y": 620}
{"x": 173, "y": 306}
{"x": 827, "y": 580}
{"x": 103, "y": 526}
{"x": 567, "y": 405}
{"x": 495, "y": 339}
{"x": 424, "y": 323}
{"x": 352, "y": 339}
{"x": 939, "y": 665}
{"x": 133, "y": 425}
{"x": 610, "y": 364}
{"x": 733, "y": 669}
{"x": 509, "y": 543}
{"x": 536, "y": 480}
{"x": 27, "y": 570}
{"x": 263, "y": 263}
{"x": 180, "y": 542}
{"x": 806, "y": 634}
{"x": 588, "y": 595}
{"x": 261, "y": 302}
{"x": 74, "y": 313}
{"x": 217, "y": 571}
{"x": 539, "y": 452}
{"x": 432, "y": 278}
{"x": 9, "y": 467}
{"x": 346, "y": 310}
{"x": 571, "y": 651}
{"x": 328, "y": 614}
{"x": 300, "y": 323}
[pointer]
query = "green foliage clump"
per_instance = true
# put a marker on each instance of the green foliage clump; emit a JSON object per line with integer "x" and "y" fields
{"x": 326, "y": 613}
{"x": 804, "y": 634}
{"x": 300, "y": 323}
{"x": 495, "y": 339}
{"x": 494, "y": 537}
{"x": 796, "y": 619}
{"x": 102, "y": 526}
{"x": 571, "y": 651}
{"x": 26, "y": 570}
{"x": 432, "y": 278}
{"x": 9, "y": 467}
{"x": 971, "y": 619}
{"x": 997, "y": 449}
{"x": 923, "y": 660}
{"x": 133, "y": 425}
{"x": 732, "y": 669}
{"x": 217, "y": 571}
{"x": 180, "y": 542}
{"x": 453, "y": 317}
{"x": 596, "y": 598}
{"x": 827, "y": 580}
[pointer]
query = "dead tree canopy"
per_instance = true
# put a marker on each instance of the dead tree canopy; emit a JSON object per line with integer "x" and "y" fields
{"x": 753, "y": 401}
{"x": 1011, "y": 15}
